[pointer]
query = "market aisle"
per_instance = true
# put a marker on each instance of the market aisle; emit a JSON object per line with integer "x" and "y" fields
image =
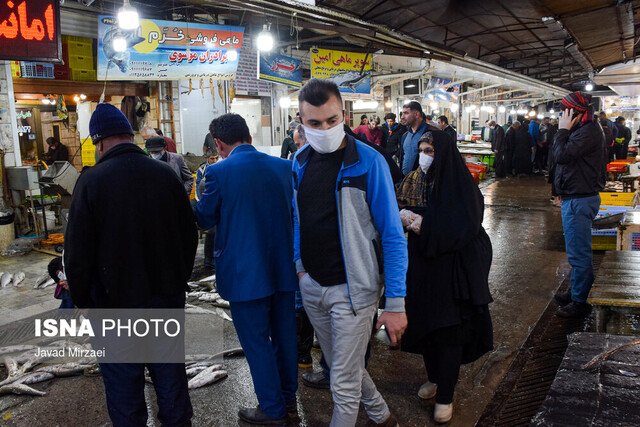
{"x": 526, "y": 232}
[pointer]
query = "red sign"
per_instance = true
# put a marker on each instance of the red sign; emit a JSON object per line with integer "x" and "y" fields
{"x": 30, "y": 30}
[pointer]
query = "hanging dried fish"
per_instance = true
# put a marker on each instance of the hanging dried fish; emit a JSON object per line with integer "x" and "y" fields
{"x": 190, "y": 87}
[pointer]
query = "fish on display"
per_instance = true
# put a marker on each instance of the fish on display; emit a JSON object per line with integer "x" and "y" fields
{"x": 12, "y": 366}
{"x": 65, "y": 370}
{"x": 47, "y": 283}
{"x": 18, "y": 278}
{"x": 15, "y": 348}
{"x": 5, "y": 280}
{"x": 40, "y": 280}
{"x": 20, "y": 389}
{"x": 34, "y": 377}
{"x": 196, "y": 369}
{"x": 206, "y": 377}
{"x": 26, "y": 367}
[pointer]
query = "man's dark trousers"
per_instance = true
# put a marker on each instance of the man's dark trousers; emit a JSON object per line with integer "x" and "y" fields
{"x": 266, "y": 328}
{"x": 124, "y": 386}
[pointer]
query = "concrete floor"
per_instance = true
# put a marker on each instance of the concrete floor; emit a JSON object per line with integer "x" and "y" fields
{"x": 528, "y": 263}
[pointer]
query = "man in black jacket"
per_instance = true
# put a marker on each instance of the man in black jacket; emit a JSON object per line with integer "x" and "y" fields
{"x": 580, "y": 154}
{"x": 392, "y": 132}
{"x": 498, "y": 146}
{"x": 443, "y": 123}
{"x": 130, "y": 243}
{"x": 621, "y": 145}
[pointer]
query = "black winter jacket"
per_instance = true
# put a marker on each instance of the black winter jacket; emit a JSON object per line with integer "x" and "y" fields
{"x": 452, "y": 133}
{"x": 131, "y": 238}
{"x": 391, "y": 142}
{"x": 580, "y": 156}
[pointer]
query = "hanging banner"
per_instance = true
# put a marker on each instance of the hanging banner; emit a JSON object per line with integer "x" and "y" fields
{"x": 30, "y": 30}
{"x": 280, "y": 69}
{"x": 343, "y": 68}
{"x": 443, "y": 90}
{"x": 167, "y": 50}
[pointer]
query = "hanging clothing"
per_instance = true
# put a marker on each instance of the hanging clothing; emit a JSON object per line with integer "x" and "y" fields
{"x": 128, "y": 108}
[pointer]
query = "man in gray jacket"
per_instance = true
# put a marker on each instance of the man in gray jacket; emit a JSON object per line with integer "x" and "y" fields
{"x": 157, "y": 148}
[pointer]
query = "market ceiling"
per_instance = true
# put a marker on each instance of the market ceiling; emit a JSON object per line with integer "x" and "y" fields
{"x": 558, "y": 42}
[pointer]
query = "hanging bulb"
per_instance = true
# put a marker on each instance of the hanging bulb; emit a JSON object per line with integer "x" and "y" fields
{"x": 128, "y": 17}
{"x": 265, "y": 39}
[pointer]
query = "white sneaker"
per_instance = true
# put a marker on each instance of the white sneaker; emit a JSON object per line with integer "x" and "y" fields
{"x": 427, "y": 390}
{"x": 442, "y": 413}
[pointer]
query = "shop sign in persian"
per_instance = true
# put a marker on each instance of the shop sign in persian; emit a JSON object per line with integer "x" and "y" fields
{"x": 280, "y": 69}
{"x": 30, "y": 30}
{"x": 168, "y": 50}
{"x": 349, "y": 70}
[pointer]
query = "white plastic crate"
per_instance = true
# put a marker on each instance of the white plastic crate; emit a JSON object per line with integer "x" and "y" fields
{"x": 36, "y": 70}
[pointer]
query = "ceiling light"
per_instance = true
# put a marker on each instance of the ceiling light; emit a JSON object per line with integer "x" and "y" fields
{"x": 553, "y": 116}
{"x": 45, "y": 101}
{"x": 365, "y": 105}
{"x": 388, "y": 104}
{"x": 454, "y": 107}
{"x": 76, "y": 98}
{"x": 541, "y": 116}
{"x": 433, "y": 105}
{"x": 128, "y": 17}
{"x": 502, "y": 109}
{"x": 285, "y": 102}
{"x": 532, "y": 113}
{"x": 265, "y": 39}
{"x": 552, "y": 111}
{"x": 588, "y": 87}
{"x": 119, "y": 44}
{"x": 83, "y": 96}
{"x": 489, "y": 109}
{"x": 513, "y": 111}
{"x": 410, "y": 86}
{"x": 232, "y": 54}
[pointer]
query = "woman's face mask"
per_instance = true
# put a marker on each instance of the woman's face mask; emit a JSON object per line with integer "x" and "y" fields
{"x": 325, "y": 141}
{"x": 425, "y": 161}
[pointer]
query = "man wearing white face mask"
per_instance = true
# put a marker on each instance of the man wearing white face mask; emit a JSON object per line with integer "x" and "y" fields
{"x": 157, "y": 148}
{"x": 348, "y": 246}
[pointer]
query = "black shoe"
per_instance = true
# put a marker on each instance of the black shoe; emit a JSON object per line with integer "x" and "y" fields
{"x": 292, "y": 407}
{"x": 563, "y": 298}
{"x": 257, "y": 417}
{"x": 574, "y": 310}
{"x": 316, "y": 380}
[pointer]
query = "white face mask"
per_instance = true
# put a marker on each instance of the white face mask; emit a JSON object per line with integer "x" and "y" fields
{"x": 325, "y": 141}
{"x": 157, "y": 156}
{"x": 425, "y": 161}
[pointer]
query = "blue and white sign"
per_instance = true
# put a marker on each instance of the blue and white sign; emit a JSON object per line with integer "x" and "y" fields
{"x": 280, "y": 69}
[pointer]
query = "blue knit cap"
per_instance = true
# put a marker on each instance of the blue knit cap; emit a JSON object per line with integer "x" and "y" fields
{"x": 107, "y": 121}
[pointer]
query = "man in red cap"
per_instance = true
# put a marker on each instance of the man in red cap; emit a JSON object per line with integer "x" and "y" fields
{"x": 579, "y": 150}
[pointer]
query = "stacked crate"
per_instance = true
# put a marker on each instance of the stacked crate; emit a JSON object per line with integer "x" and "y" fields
{"x": 79, "y": 58}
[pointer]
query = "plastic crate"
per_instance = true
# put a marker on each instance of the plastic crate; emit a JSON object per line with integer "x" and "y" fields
{"x": 617, "y": 167}
{"x": 36, "y": 70}
{"x": 81, "y": 62}
{"x": 15, "y": 69}
{"x": 80, "y": 48}
{"x": 603, "y": 243}
{"x": 616, "y": 199}
{"x": 83, "y": 75}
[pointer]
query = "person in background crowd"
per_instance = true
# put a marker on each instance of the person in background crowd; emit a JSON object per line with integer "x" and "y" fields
{"x": 522, "y": 150}
{"x": 299, "y": 137}
{"x": 428, "y": 119}
{"x": 533, "y": 127}
{"x": 614, "y": 130}
{"x": 486, "y": 132}
{"x": 57, "y": 152}
{"x": 149, "y": 132}
{"x": 209, "y": 263}
{"x": 553, "y": 129}
{"x": 506, "y": 126}
{"x": 371, "y": 131}
{"x": 412, "y": 118}
{"x": 509, "y": 145}
{"x": 171, "y": 144}
{"x": 156, "y": 146}
{"x": 339, "y": 299}
{"x": 364, "y": 120}
{"x": 392, "y": 132}
{"x": 56, "y": 272}
{"x": 396, "y": 173}
{"x": 580, "y": 156}
{"x": 443, "y": 123}
{"x": 498, "y": 146}
{"x": 248, "y": 195}
{"x": 289, "y": 145}
{"x": 208, "y": 145}
{"x": 542, "y": 151}
{"x": 130, "y": 243}
{"x": 450, "y": 253}
{"x": 608, "y": 138}
{"x": 621, "y": 146}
